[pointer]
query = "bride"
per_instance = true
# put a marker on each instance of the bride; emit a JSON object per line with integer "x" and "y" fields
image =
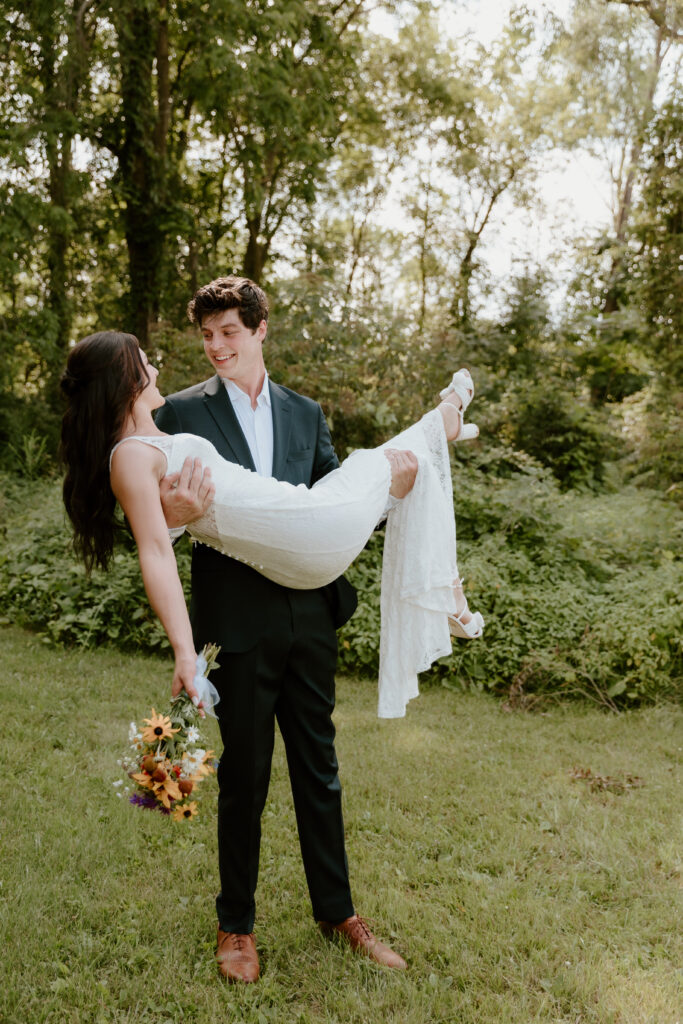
{"x": 297, "y": 536}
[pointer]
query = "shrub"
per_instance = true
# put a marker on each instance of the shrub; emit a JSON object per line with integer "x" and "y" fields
{"x": 582, "y": 594}
{"x": 42, "y": 586}
{"x": 567, "y": 437}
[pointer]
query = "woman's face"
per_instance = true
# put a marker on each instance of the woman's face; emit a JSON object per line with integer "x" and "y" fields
{"x": 150, "y": 395}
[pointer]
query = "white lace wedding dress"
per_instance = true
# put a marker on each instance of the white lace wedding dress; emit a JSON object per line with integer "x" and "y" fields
{"x": 305, "y": 537}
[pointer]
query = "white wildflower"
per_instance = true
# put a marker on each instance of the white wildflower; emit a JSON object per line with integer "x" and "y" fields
{"x": 193, "y": 760}
{"x": 119, "y": 782}
{"x": 132, "y": 732}
{"x": 192, "y": 734}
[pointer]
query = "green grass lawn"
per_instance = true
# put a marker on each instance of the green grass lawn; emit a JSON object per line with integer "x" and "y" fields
{"x": 516, "y": 892}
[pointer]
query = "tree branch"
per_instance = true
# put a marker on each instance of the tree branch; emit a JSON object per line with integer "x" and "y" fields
{"x": 656, "y": 12}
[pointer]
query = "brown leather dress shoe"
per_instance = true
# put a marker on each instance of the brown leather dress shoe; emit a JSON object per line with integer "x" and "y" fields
{"x": 237, "y": 956}
{"x": 361, "y": 940}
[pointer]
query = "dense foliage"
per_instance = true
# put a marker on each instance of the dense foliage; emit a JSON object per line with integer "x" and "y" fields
{"x": 582, "y": 596}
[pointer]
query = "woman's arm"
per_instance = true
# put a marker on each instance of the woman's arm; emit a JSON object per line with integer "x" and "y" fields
{"x": 136, "y": 472}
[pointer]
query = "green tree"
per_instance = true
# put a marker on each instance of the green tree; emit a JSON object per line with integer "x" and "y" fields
{"x": 620, "y": 58}
{"x": 275, "y": 90}
{"x": 45, "y": 67}
{"x": 479, "y": 119}
{"x": 656, "y": 267}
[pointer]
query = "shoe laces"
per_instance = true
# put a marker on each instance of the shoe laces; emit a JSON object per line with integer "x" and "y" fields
{"x": 361, "y": 929}
{"x": 237, "y": 940}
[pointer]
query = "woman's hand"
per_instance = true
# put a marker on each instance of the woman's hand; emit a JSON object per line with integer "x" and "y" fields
{"x": 183, "y": 679}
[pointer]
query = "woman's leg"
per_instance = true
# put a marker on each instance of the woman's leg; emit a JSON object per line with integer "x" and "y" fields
{"x": 463, "y": 624}
{"x": 455, "y": 399}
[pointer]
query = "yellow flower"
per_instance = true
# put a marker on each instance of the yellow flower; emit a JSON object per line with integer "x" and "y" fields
{"x": 186, "y": 811}
{"x": 158, "y": 728}
{"x": 167, "y": 791}
{"x": 206, "y": 767}
{"x": 142, "y": 779}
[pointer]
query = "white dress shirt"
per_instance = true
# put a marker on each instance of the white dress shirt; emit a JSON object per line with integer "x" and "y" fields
{"x": 256, "y": 424}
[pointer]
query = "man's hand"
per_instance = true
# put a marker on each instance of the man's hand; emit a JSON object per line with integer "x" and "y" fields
{"x": 403, "y": 471}
{"x": 185, "y": 496}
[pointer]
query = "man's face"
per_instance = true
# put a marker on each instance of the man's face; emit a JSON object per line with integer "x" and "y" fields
{"x": 234, "y": 351}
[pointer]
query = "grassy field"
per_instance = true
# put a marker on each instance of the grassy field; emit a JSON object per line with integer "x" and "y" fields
{"x": 517, "y": 891}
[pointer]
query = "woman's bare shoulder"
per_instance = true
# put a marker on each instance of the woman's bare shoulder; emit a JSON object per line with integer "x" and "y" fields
{"x": 134, "y": 456}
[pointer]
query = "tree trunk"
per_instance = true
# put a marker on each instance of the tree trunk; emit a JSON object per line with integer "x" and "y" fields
{"x": 256, "y": 254}
{"x": 61, "y": 82}
{"x": 460, "y": 309}
{"x": 143, "y": 41}
{"x": 59, "y": 239}
{"x": 611, "y": 303}
{"x": 462, "y": 301}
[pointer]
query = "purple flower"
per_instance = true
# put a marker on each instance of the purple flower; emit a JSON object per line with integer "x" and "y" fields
{"x": 147, "y": 801}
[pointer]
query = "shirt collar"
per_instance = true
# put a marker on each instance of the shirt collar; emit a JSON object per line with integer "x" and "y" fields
{"x": 237, "y": 395}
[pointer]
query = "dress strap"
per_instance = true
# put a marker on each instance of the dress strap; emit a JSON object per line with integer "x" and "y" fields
{"x": 162, "y": 443}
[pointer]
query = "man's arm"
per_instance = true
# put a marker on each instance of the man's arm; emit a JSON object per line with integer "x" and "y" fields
{"x": 403, "y": 472}
{"x": 185, "y": 496}
{"x": 403, "y": 463}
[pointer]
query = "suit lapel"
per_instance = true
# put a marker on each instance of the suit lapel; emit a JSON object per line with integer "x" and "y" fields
{"x": 282, "y": 415}
{"x": 220, "y": 407}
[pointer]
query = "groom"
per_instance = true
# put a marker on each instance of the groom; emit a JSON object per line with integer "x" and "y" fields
{"x": 278, "y": 646}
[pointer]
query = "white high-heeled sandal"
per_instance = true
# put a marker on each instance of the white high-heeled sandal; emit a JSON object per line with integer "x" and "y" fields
{"x": 463, "y": 386}
{"x": 470, "y": 630}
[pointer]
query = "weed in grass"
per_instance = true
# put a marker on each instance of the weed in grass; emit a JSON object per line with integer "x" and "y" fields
{"x": 605, "y": 783}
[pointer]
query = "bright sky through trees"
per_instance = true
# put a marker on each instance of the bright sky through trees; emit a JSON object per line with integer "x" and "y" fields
{"x": 573, "y": 188}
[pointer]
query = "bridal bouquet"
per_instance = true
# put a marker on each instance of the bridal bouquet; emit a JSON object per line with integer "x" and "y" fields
{"x": 167, "y": 757}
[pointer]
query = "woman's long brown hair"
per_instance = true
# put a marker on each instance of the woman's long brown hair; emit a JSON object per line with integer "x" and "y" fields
{"x": 104, "y": 375}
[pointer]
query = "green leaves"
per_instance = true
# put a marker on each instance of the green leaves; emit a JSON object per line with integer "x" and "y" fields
{"x": 579, "y": 598}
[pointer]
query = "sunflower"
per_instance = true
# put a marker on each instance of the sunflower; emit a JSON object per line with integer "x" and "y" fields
{"x": 186, "y": 811}
{"x": 158, "y": 728}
